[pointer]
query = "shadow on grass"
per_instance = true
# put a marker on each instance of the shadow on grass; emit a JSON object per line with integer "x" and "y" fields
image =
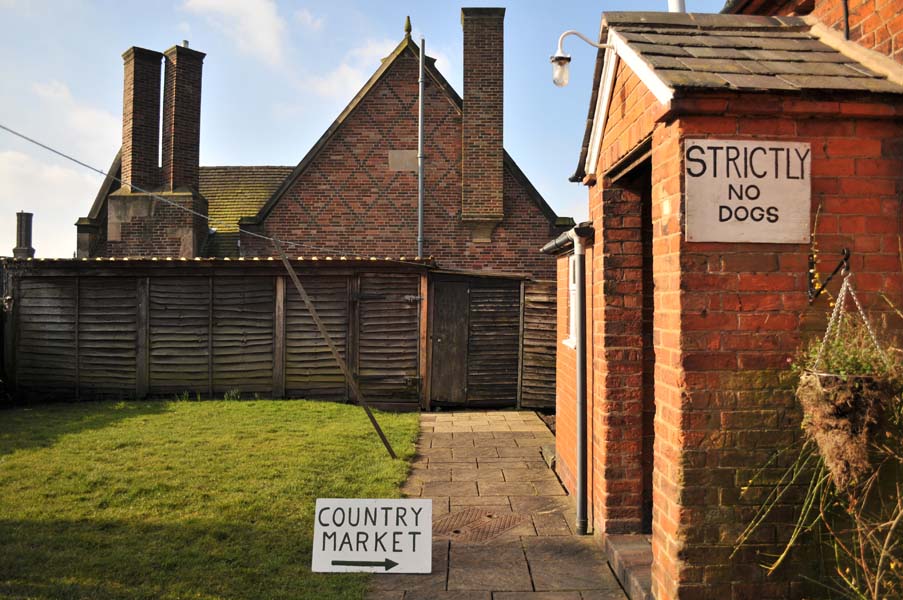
{"x": 40, "y": 426}
{"x": 102, "y": 560}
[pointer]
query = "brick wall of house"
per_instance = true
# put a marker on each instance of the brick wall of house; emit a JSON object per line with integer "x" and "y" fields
{"x": 727, "y": 318}
{"x": 566, "y": 386}
{"x": 181, "y": 117}
{"x": 139, "y": 225}
{"x": 874, "y": 24}
{"x": 141, "y": 118}
{"x": 348, "y": 201}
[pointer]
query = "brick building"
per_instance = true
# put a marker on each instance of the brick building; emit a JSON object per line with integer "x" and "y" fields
{"x": 697, "y": 290}
{"x": 355, "y": 194}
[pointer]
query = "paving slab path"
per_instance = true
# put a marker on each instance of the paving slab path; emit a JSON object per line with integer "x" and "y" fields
{"x": 502, "y": 523}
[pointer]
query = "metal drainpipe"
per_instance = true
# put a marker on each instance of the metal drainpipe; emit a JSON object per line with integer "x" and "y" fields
{"x": 677, "y": 6}
{"x": 579, "y": 274}
{"x": 420, "y": 153}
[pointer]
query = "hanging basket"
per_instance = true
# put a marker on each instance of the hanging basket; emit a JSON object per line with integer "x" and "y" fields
{"x": 841, "y": 413}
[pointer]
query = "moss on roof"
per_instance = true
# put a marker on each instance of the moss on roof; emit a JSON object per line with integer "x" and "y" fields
{"x": 235, "y": 192}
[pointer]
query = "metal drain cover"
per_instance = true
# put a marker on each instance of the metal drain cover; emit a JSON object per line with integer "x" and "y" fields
{"x": 475, "y": 525}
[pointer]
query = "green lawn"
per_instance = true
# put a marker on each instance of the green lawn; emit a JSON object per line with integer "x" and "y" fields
{"x": 183, "y": 499}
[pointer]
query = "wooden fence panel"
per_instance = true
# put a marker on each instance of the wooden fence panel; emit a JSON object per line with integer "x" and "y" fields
{"x": 493, "y": 345}
{"x": 540, "y": 345}
{"x": 243, "y": 309}
{"x": 46, "y": 356}
{"x": 311, "y": 371}
{"x": 107, "y": 329}
{"x": 389, "y": 339}
{"x": 179, "y": 318}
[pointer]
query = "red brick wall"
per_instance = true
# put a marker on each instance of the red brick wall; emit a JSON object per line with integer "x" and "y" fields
{"x": 349, "y": 202}
{"x": 566, "y": 386}
{"x": 727, "y": 317}
{"x": 482, "y": 125}
{"x": 141, "y": 118}
{"x": 152, "y": 228}
{"x": 875, "y": 24}
{"x": 182, "y": 117}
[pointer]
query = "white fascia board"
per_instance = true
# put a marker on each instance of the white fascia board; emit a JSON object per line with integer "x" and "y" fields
{"x": 619, "y": 50}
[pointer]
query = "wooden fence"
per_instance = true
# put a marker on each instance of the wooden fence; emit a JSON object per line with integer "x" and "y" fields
{"x": 136, "y": 329}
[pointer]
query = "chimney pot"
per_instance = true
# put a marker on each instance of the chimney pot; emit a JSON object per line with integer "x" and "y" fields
{"x": 23, "y": 247}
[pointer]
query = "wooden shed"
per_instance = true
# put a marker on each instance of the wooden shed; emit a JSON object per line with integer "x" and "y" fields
{"x": 137, "y": 328}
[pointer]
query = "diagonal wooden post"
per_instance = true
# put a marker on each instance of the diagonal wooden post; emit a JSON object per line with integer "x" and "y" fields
{"x": 332, "y": 347}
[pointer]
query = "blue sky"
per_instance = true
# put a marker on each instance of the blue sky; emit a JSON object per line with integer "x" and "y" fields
{"x": 276, "y": 75}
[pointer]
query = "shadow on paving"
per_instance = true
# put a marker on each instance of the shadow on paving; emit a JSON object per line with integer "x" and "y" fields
{"x": 490, "y": 464}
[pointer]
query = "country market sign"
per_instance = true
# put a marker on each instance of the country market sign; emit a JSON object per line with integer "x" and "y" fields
{"x": 747, "y": 191}
{"x": 373, "y": 535}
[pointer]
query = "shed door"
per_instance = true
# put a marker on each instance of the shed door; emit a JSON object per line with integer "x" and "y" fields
{"x": 448, "y": 383}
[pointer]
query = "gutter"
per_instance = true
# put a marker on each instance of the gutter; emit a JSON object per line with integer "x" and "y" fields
{"x": 576, "y": 238}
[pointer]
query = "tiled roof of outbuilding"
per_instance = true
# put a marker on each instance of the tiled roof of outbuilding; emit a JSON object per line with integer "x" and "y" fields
{"x": 235, "y": 192}
{"x": 741, "y": 52}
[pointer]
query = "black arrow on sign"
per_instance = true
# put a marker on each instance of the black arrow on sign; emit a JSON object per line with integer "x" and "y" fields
{"x": 388, "y": 563}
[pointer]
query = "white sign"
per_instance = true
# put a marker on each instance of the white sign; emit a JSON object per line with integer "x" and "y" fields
{"x": 747, "y": 191}
{"x": 376, "y": 536}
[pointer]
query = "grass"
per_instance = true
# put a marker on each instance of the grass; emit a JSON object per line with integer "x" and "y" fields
{"x": 183, "y": 499}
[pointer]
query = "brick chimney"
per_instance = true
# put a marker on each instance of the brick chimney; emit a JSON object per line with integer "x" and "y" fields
{"x": 141, "y": 118}
{"x": 23, "y": 247}
{"x": 483, "y": 154}
{"x": 182, "y": 117}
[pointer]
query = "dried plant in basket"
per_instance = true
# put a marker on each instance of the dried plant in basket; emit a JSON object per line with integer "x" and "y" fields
{"x": 846, "y": 381}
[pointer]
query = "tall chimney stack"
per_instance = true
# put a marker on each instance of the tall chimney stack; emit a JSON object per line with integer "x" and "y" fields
{"x": 23, "y": 247}
{"x": 483, "y": 153}
{"x": 141, "y": 119}
{"x": 182, "y": 117}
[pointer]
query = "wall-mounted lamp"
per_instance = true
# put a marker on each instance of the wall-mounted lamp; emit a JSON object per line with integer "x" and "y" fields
{"x": 561, "y": 72}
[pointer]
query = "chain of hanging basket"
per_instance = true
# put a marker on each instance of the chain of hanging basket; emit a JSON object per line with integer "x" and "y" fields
{"x": 839, "y": 305}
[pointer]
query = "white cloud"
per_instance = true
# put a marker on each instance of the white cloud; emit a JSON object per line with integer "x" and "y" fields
{"x": 254, "y": 25}
{"x": 56, "y": 194}
{"x": 358, "y": 65}
{"x": 91, "y": 134}
{"x": 308, "y": 20}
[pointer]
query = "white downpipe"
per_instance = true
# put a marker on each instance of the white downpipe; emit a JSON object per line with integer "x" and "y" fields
{"x": 420, "y": 153}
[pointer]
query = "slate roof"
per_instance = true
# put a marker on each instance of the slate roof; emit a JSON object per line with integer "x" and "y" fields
{"x": 741, "y": 52}
{"x": 691, "y": 52}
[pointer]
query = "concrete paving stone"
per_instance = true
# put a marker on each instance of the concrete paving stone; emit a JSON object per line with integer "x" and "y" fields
{"x": 412, "y": 488}
{"x": 467, "y": 555}
{"x": 453, "y": 443}
{"x": 502, "y": 576}
{"x": 435, "y": 452}
{"x": 453, "y": 489}
{"x": 427, "y": 417}
{"x": 506, "y": 488}
{"x": 568, "y": 563}
{"x": 514, "y": 534}
{"x": 542, "y": 505}
{"x": 549, "y": 488}
{"x": 472, "y": 435}
{"x": 535, "y": 596}
{"x": 477, "y": 475}
{"x": 490, "y": 442}
{"x": 436, "y": 474}
{"x": 449, "y": 596}
{"x": 523, "y": 442}
{"x": 475, "y": 452}
{"x": 515, "y": 452}
{"x": 507, "y": 434}
{"x": 529, "y": 475}
{"x": 610, "y": 594}
{"x": 552, "y": 523}
{"x": 469, "y": 501}
{"x": 440, "y": 507}
{"x": 509, "y": 463}
{"x": 491, "y": 428}
{"x": 427, "y": 583}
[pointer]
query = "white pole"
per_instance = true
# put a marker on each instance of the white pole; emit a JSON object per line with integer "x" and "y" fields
{"x": 420, "y": 154}
{"x": 677, "y": 6}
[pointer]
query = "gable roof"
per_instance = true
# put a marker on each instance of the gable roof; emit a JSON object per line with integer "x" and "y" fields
{"x": 407, "y": 45}
{"x": 675, "y": 53}
{"x": 235, "y": 192}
